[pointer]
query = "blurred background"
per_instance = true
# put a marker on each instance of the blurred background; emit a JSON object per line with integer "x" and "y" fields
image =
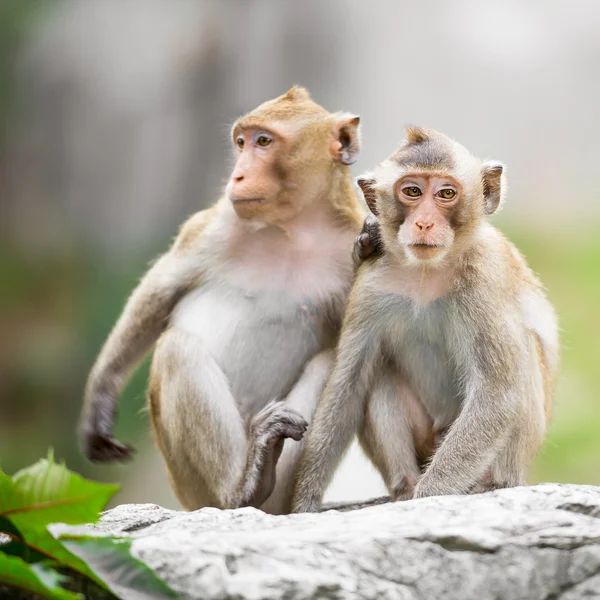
{"x": 114, "y": 127}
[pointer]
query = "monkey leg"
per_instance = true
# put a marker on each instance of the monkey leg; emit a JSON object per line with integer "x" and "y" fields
{"x": 388, "y": 433}
{"x": 279, "y": 472}
{"x": 197, "y": 424}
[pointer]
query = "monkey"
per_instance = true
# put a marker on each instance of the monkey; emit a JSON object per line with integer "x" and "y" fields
{"x": 449, "y": 348}
{"x": 243, "y": 311}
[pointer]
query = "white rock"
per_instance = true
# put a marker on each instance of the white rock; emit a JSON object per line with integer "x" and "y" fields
{"x": 537, "y": 542}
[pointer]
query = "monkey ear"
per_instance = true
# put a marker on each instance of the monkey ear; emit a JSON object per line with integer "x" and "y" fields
{"x": 493, "y": 185}
{"x": 366, "y": 184}
{"x": 345, "y": 146}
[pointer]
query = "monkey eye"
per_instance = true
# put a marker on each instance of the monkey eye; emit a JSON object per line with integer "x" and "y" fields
{"x": 412, "y": 191}
{"x": 263, "y": 141}
{"x": 239, "y": 142}
{"x": 446, "y": 194}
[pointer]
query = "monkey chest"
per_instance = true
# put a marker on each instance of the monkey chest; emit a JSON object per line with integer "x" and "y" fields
{"x": 261, "y": 341}
{"x": 420, "y": 346}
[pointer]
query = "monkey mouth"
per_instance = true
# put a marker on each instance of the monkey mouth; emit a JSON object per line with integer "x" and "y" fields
{"x": 425, "y": 251}
{"x": 247, "y": 200}
{"x": 424, "y": 245}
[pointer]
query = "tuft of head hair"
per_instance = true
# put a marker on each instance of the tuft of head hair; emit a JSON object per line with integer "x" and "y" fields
{"x": 416, "y": 135}
{"x": 296, "y": 102}
{"x": 427, "y": 149}
{"x": 296, "y": 93}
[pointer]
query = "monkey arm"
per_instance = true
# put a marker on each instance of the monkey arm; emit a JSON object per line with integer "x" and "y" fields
{"x": 473, "y": 441}
{"x": 489, "y": 413}
{"x": 144, "y": 318}
{"x": 338, "y": 416}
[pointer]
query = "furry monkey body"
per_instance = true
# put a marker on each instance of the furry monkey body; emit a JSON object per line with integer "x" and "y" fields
{"x": 449, "y": 348}
{"x": 247, "y": 305}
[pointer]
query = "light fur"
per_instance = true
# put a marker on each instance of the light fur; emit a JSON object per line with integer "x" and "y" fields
{"x": 244, "y": 318}
{"x": 462, "y": 351}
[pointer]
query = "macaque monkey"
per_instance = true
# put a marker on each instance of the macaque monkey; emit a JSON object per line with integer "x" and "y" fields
{"x": 248, "y": 304}
{"x": 449, "y": 348}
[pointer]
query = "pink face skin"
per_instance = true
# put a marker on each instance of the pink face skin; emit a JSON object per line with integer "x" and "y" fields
{"x": 254, "y": 186}
{"x": 283, "y": 166}
{"x": 428, "y": 201}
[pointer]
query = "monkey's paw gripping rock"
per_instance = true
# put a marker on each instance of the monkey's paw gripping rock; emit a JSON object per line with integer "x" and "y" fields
{"x": 534, "y": 543}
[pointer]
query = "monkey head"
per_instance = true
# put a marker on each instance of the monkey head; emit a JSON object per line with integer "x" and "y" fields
{"x": 431, "y": 195}
{"x": 288, "y": 153}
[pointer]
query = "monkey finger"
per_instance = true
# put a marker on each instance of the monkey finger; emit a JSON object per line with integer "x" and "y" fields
{"x": 365, "y": 248}
{"x": 364, "y": 239}
{"x": 286, "y": 428}
{"x": 261, "y": 419}
{"x": 123, "y": 451}
{"x": 371, "y": 222}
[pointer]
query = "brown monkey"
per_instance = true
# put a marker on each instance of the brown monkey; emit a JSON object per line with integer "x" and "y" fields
{"x": 448, "y": 337}
{"x": 249, "y": 302}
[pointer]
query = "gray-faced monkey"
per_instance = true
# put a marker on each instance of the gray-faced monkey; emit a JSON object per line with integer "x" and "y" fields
{"x": 449, "y": 348}
{"x": 247, "y": 304}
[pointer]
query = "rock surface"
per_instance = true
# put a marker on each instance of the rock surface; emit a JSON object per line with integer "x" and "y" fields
{"x": 537, "y": 542}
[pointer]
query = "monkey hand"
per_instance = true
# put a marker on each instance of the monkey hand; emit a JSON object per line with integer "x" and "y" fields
{"x": 105, "y": 448}
{"x": 369, "y": 241}
{"x": 307, "y": 506}
{"x": 276, "y": 422}
{"x": 268, "y": 431}
{"x": 403, "y": 489}
{"x": 429, "y": 485}
{"x": 97, "y": 439}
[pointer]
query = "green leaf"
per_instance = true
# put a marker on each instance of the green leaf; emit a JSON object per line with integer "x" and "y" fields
{"x": 124, "y": 575}
{"x": 17, "y": 546}
{"x": 43, "y": 541}
{"x": 37, "y": 579}
{"x": 49, "y": 493}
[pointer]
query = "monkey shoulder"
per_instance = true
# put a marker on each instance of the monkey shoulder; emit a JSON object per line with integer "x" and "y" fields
{"x": 499, "y": 297}
{"x": 191, "y": 232}
{"x": 494, "y": 270}
{"x": 367, "y": 289}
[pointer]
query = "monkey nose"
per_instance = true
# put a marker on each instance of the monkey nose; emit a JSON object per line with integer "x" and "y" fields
{"x": 424, "y": 225}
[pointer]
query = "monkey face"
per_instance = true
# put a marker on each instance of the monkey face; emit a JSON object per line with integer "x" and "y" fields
{"x": 427, "y": 203}
{"x": 431, "y": 195}
{"x": 287, "y": 153}
{"x": 254, "y": 183}
{"x": 278, "y": 171}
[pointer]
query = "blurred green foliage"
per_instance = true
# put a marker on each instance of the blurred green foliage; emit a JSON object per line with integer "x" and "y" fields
{"x": 55, "y": 313}
{"x": 16, "y": 16}
{"x": 568, "y": 262}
